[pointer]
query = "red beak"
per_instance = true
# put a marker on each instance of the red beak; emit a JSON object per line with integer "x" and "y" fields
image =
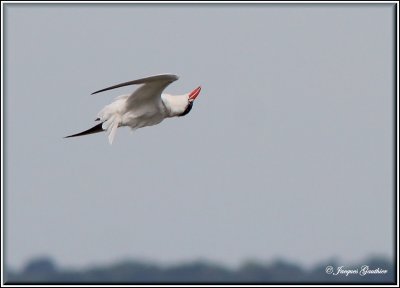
{"x": 194, "y": 94}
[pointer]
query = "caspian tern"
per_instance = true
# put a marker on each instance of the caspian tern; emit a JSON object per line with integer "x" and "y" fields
{"x": 146, "y": 106}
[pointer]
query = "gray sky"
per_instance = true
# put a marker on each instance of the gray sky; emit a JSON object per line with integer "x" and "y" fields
{"x": 287, "y": 151}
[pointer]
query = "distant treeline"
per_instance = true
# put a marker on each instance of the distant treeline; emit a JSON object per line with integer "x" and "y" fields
{"x": 44, "y": 270}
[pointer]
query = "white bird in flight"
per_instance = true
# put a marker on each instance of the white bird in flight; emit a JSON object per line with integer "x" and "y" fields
{"x": 146, "y": 106}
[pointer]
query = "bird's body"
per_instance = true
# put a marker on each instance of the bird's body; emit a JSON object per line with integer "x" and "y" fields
{"x": 146, "y": 106}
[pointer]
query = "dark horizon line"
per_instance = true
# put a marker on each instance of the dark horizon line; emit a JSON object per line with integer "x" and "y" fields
{"x": 232, "y": 267}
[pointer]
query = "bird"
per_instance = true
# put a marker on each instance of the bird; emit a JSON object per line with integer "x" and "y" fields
{"x": 146, "y": 106}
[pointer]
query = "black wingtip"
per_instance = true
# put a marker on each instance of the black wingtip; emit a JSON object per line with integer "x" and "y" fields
{"x": 95, "y": 129}
{"x": 102, "y": 90}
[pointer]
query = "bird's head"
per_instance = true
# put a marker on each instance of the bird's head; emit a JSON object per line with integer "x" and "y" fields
{"x": 190, "y": 99}
{"x": 180, "y": 105}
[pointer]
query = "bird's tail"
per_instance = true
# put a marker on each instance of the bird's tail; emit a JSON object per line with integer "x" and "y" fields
{"x": 111, "y": 125}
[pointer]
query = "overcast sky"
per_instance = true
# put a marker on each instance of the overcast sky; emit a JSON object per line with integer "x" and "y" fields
{"x": 287, "y": 152}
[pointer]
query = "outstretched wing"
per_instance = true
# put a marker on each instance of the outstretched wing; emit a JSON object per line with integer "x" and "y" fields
{"x": 148, "y": 94}
{"x": 162, "y": 78}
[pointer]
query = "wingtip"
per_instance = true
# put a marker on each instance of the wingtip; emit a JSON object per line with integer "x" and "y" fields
{"x": 95, "y": 129}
